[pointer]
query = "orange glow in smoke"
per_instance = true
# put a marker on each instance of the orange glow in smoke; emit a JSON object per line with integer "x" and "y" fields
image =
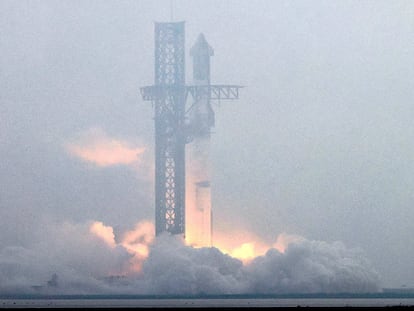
{"x": 246, "y": 246}
{"x": 105, "y": 233}
{"x": 107, "y": 154}
{"x": 96, "y": 147}
{"x": 136, "y": 241}
{"x": 242, "y": 245}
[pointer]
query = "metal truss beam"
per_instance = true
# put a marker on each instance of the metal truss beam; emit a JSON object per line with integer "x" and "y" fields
{"x": 215, "y": 92}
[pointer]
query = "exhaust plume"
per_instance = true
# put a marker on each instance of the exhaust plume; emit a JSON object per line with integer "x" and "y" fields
{"x": 87, "y": 259}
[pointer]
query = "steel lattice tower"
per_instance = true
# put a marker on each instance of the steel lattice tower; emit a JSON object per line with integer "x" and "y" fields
{"x": 169, "y": 96}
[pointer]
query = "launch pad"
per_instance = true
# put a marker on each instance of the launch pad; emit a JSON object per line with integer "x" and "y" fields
{"x": 183, "y": 117}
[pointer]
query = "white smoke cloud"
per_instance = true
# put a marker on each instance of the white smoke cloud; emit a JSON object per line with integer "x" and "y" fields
{"x": 174, "y": 268}
{"x": 84, "y": 263}
{"x": 312, "y": 267}
{"x": 304, "y": 267}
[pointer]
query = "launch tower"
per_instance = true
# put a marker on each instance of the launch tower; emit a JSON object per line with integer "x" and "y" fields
{"x": 178, "y": 124}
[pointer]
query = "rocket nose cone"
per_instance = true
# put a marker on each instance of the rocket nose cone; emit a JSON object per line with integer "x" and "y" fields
{"x": 201, "y": 39}
{"x": 201, "y": 46}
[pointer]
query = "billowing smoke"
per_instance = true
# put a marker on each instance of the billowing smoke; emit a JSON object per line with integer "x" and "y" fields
{"x": 68, "y": 251}
{"x": 90, "y": 259}
{"x": 312, "y": 267}
{"x": 304, "y": 267}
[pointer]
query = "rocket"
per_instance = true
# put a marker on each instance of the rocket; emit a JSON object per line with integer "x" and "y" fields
{"x": 200, "y": 121}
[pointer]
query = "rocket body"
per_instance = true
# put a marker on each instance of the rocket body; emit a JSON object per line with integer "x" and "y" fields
{"x": 198, "y": 166}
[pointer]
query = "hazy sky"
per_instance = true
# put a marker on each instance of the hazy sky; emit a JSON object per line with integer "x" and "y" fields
{"x": 320, "y": 144}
